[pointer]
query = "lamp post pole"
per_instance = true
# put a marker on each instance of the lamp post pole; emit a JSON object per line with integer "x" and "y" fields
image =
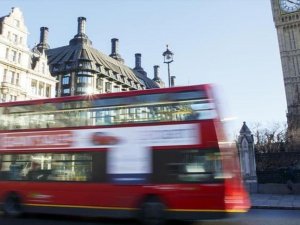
{"x": 168, "y": 58}
{"x": 169, "y": 76}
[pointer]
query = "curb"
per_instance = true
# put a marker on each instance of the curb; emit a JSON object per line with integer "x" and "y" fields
{"x": 276, "y": 207}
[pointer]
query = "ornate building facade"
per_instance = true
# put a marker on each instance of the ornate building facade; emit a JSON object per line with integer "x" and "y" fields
{"x": 81, "y": 69}
{"x": 74, "y": 69}
{"x": 24, "y": 73}
{"x": 286, "y": 16}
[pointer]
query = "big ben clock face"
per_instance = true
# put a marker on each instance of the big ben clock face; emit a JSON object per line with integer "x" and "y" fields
{"x": 289, "y": 6}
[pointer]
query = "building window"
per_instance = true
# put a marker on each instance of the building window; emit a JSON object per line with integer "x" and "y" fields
{"x": 81, "y": 90}
{"x": 11, "y": 98}
{"x": 13, "y": 56}
{"x": 18, "y": 79}
{"x": 48, "y": 91}
{"x": 108, "y": 86}
{"x": 9, "y": 77}
{"x": 12, "y": 77}
{"x": 34, "y": 87}
{"x": 41, "y": 88}
{"x": 100, "y": 84}
{"x": 66, "y": 79}
{"x": 15, "y": 38}
{"x": 66, "y": 91}
{"x": 7, "y": 53}
{"x": 4, "y": 97}
{"x": 84, "y": 80}
{"x": 4, "y": 75}
{"x": 116, "y": 88}
{"x": 19, "y": 58}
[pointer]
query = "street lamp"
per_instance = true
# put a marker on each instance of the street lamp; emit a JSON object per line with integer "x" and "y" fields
{"x": 168, "y": 58}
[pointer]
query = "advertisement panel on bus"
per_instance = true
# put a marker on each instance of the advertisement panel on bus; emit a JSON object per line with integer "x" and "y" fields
{"x": 129, "y": 156}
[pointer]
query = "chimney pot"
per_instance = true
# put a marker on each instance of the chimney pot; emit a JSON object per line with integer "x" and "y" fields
{"x": 44, "y": 35}
{"x": 81, "y": 25}
{"x": 114, "y": 46}
{"x": 138, "y": 60}
{"x": 156, "y": 67}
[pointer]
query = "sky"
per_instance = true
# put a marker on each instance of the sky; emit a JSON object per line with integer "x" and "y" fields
{"x": 230, "y": 43}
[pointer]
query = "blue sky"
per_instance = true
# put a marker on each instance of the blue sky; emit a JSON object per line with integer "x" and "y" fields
{"x": 232, "y": 43}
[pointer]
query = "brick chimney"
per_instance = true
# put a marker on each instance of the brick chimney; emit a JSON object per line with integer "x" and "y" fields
{"x": 156, "y": 67}
{"x": 138, "y": 64}
{"x": 43, "y": 45}
{"x": 81, "y": 36}
{"x": 115, "y": 50}
{"x": 81, "y": 25}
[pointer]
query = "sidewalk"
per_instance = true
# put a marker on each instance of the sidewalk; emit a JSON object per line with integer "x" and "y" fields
{"x": 275, "y": 201}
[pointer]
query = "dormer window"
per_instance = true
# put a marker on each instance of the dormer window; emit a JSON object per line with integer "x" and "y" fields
{"x": 142, "y": 82}
{"x": 55, "y": 68}
{"x": 68, "y": 66}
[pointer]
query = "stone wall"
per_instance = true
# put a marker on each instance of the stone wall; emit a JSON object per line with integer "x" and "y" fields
{"x": 277, "y": 161}
{"x": 278, "y": 173}
{"x": 272, "y": 188}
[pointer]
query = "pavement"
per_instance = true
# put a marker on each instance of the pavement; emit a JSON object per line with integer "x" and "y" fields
{"x": 275, "y": 201}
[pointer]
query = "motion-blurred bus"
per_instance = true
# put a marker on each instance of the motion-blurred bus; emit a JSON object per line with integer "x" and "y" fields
{"x": 155, "y": 155}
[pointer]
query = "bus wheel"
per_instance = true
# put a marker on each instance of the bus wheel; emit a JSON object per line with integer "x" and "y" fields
{"x": 153, "y": 212}
{"x": 12, "y": 205}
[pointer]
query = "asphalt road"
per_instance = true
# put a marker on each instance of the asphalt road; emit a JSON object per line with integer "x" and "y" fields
{"x": 253, "y": 217}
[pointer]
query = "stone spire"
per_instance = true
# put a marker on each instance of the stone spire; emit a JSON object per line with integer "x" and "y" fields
{"x": 247, "y": 158}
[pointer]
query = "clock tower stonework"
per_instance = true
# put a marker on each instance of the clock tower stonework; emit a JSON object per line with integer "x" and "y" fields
{"x": 286, "y": 16}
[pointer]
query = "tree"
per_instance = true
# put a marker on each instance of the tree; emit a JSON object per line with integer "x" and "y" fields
{"x": 271, "y": 139}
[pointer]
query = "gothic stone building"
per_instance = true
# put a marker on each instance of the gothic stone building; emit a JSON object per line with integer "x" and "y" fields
{"x": 286, "y": 16}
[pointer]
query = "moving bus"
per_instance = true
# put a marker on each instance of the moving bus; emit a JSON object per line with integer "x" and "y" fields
{"x": 154, "y": 155}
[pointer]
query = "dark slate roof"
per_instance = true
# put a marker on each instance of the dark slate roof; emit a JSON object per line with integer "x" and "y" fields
{"x": 148, "y": 82}
{"x": 83, "y": 50}
{"x": 245, "y": 133}
{"x": 245, "y": 129}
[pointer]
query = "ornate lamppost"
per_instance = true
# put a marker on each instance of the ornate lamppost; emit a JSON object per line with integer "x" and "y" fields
{"x": 168, "y": 58}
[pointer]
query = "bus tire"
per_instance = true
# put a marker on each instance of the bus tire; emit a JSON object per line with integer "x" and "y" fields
{"x": 152, "y": 212}
{"x": 12, "y": 206}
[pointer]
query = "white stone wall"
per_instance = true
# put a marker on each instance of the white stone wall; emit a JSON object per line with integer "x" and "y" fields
{"x": 15, "y": 62}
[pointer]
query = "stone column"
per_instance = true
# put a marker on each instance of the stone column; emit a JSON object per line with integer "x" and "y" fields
{"x": 247, "y": 158}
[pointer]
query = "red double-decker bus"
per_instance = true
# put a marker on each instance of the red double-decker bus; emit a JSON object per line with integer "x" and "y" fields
{"x": 154, "y": 155}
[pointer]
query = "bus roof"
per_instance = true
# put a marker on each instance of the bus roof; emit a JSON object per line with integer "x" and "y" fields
{"x": 204, "y": 87}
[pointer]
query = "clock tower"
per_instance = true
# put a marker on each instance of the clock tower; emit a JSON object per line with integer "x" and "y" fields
{"x": 286, "y": 16}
